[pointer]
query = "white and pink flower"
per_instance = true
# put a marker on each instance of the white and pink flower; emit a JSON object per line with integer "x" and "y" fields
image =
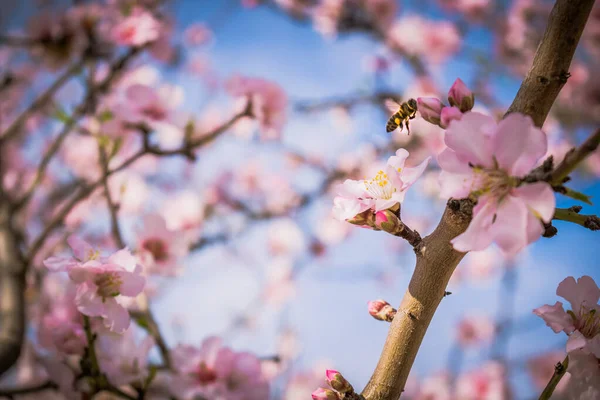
{"x": 100, "y": 281}
{"x": 137, "y": 29}
{"x": 159, "y": 247}
{"x": 385, "y": 191}
{"x": 485, "y": 160}
{"x": 217, "y": 372}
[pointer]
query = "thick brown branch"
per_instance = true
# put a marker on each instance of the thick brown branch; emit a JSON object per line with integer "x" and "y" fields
{"x": 550, "y": 69}
{"x": 436, "y": 261}
{"x": 12, "y": 288}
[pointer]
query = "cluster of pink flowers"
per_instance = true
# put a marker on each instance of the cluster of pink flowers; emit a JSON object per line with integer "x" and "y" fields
{"x": 268, "y": 100}
{"x": 217, "y": 372}
{"x": 485, "y": 160}
{"x": 435, "y": 41}
{"x": 582, "y": 324}
{"x": 101, "y": 281}
{"x": 381, "y": 193}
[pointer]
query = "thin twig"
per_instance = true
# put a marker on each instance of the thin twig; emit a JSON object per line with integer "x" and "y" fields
{"x": 41, "y": 101}
{"x": 559, "y": 371}
{"x": 574, "y": 157}
{"x": 113, "y": 208}
{"x": 591, "y": 222}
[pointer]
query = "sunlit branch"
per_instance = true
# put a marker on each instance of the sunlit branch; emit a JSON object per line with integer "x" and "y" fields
{"x": 559, "y": 371}
{"x": 42, "y": 100}
{"x": 591, "y": 222}
{"x": 574, "y": 157}
{"x": 550, "y": 69}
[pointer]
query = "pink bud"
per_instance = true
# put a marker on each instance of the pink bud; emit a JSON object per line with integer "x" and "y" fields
{"x": 460, "y": 96}
{"x": 388, "y": 221}
{"x": 325, "y": 394}
{"x": 450, "y": 114}
{"x": 430, "y": 109}
{"x": 381, "y": 310}
{"x": 338, "y": 382}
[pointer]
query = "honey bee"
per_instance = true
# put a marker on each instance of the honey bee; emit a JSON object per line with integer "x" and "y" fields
{"x": 402, "y": 114}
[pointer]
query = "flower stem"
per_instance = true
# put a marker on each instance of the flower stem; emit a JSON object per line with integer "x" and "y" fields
{"x": 591, "y": 222}
{"x": 559, "y": 372}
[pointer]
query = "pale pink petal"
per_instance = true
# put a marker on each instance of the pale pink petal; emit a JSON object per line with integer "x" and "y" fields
{"x": 510, "y": 228}
{"x": 584, "y": 291}
{"x": 345, "y": 209}
{"x": 247, "y": 364}
{"x": 141, "y": 95}
{"x": 478, "y": 235}
{"x": 576, "y": 341}
{"x": 398, "y": 160}
{"x": 539, "y": 198}
{"x": 555, "y": 317}
{"x": 87, "y": 300}
{"x": 384, "y": 204}
{"x": 82, "y": 250}
{"x": 224, "y": 362}
{"x": 410, "y": 175}
{"x": 124, "y": 258}
{"x": 448, "y": 160}
{"x": 455, "y": 185}
{"x": 518, "y": 144}
{"x": 593, "y": 345}
{"x": 535, "y": 228}
{"x": 84, "y": 272}
{"x": 56, "y": 264}
{"x": 468, "y": 137}
{"x": 352, "y": 188}
{"x": 132, "y": 285}
{"x": 116, "y": 317}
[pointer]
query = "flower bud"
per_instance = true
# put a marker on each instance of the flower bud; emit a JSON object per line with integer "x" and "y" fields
{"x": 450, "y": 114}
{"x": 460, "y": 96}
{"x": 430, "y": 109}
{"x": 325, "y": 394}
{"x": 381, "y": 310}
{"x": 388, "y": 221}
{"x": 338, "y": 382}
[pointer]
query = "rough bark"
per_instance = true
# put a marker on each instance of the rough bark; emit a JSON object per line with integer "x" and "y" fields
{"x": 437, "y": 260}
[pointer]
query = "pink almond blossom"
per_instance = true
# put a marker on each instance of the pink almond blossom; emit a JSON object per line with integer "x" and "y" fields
{"x": 217, "y": 372}
{"x": 484, "y": 160}
{"x": 138, "y": 28}
{"x": 582, "y": 322}
{"x": 385, "y": 191}
{"x": 269, "y": 102}
{"x": 100, "y": 281}
{"x": 160, "y": 248}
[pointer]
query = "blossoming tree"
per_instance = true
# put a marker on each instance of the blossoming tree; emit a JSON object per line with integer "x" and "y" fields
{"x": 112, "y": 182}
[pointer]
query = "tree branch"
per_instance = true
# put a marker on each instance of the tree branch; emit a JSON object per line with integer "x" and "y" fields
{"x": 559, "y": 371}
{"x": 574, "y": 157}
{"x": 591, "y": 222}
{"x": 436, "y": 259}
{"x": 550, "y": 69}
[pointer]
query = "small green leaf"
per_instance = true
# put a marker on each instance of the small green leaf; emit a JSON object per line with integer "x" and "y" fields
{"x": 61, "y": 115}
{"x": 574, "y": 194}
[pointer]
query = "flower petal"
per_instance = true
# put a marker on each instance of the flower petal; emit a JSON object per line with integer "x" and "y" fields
{"x": 410, "y": 175}
{"x": 518, "y": 144}
{"x": 398, "y": 160}
{"x": 555, "y": 317}
{"x": 478, "y": 235}
{"x": 576, "y": 341}
{"x": 510, "y": 229}
{"x": 469, "y": 138}
{"x": 132, "y": 284}
{"x": 539, "y": 198}
{"x": 584, "y": 291}
{"x": 116, "y": 317}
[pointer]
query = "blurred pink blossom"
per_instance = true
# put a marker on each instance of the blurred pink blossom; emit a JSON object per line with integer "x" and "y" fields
{"x": 542, "y": 367}
{"x": 475, "y": 331}
{"x": 160, "y": 249}
{"x": 488, "y": 382}
{"x": 217, "y": 372}
{"x": 136, "y": 29}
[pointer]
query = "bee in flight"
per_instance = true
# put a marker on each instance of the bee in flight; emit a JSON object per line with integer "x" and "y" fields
{"x": 402, "y": 114}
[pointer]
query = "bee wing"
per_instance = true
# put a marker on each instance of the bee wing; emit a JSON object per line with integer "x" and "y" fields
{"x": 391, "y": 105}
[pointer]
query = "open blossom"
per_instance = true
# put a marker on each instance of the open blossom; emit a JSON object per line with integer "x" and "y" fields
{"x": 138, "y": 28}
{"x": 100, "y": 281}
{"x": 385, "y": 191}
{"x": 436, "y": 41}
{"x": 486, "y": 160}
{"x": 488, "y": 382}
{"x": 217, "y": 372}
{"x": 269, "y": 102}
{"x": 160, "y": 248}
{"x": 122, "y": 358}
{"x": 582, "y": 322}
